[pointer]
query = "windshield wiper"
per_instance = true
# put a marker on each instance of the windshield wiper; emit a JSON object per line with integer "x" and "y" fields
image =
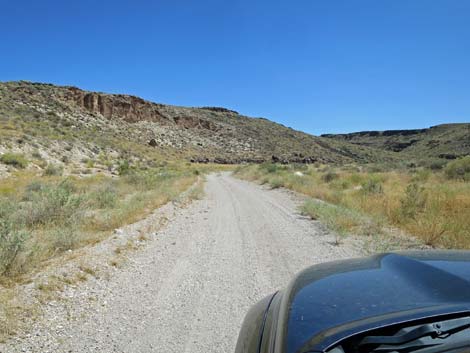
{"x": 436, "y": 333}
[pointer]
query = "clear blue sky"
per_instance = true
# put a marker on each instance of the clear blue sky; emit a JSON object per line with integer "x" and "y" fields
{"x": 315, "y": 65}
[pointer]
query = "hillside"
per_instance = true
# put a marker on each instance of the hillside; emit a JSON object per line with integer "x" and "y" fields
{"x": 70, "y": 126}
{"x": 447, "y": 141}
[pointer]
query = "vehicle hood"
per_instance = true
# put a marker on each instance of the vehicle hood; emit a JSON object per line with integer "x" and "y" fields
{"x": 329, "y": 302}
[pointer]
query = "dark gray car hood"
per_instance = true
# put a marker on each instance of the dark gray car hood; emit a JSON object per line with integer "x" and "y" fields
{"x": 328, "y": 302}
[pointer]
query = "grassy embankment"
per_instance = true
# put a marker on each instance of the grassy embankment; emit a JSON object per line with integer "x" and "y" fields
{"x": 433, "y": 206}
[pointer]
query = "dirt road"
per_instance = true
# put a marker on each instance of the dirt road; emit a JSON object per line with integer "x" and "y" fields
{"x": 189, "y": 288}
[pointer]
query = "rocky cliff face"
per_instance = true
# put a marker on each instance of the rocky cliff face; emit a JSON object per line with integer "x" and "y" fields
{"x": 128, "y": 108}
{"x": 134, "y": 109}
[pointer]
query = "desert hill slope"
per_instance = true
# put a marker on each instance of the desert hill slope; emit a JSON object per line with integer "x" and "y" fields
{"x": 447, "y": 141}
{"x": 66, "y": 124}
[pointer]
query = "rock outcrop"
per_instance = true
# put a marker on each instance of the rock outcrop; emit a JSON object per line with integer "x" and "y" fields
{"x": 128, "y": 108}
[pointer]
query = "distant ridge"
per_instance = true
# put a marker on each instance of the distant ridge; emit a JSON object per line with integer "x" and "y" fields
{"x": 447, "y": 141}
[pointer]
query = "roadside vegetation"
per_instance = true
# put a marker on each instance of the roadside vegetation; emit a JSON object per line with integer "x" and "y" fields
{"x": 44, "y": 215}
{"x": 48, "y": 214}
{"x": 432, "y": 205}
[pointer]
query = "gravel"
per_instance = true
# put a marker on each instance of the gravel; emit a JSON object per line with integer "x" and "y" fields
{"x": 189, "y": 287}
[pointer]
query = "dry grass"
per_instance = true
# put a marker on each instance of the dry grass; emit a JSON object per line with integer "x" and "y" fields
{"x": 43, "y": 216}
{"x": 51, "y": 284}
{"x": 11, "y": 310}
{"x": 88, "y": 270}
{"x": 422, "y": 203}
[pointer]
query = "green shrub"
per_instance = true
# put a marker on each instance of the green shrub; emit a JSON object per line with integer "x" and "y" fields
{"x": 90, "y": 163}
{"x": 270, "y": 167}
{"x": 356, "y": 178}
{"x": 458, "y": 169}
{"x": 32, "y": 188}
{"x": 372, "y": 186}
{"x": 437, "y": 164}
{"x": 11, "y": 243}
{"x": 65, "y": 237}
{"x": 102, "y": 157}
{"x": 7, "y": 208}
{"x": 340, "y": 184}
{"x": 421, "y": 175}
{"x": 276, "y": 183}
{"x": 414, "y": 200}
{"x": 329, "y": 177}
{"x": 36, "y": 154}
{"x": 14, "y": 159}
{"x": 56, "y": 204}
{"x": 105, "y": 197}
{"x": 124, "y": 167}
{"x": 53, "y": 169}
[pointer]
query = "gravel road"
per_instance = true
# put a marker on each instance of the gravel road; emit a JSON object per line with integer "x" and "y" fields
{"x": 189, "y": 288}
